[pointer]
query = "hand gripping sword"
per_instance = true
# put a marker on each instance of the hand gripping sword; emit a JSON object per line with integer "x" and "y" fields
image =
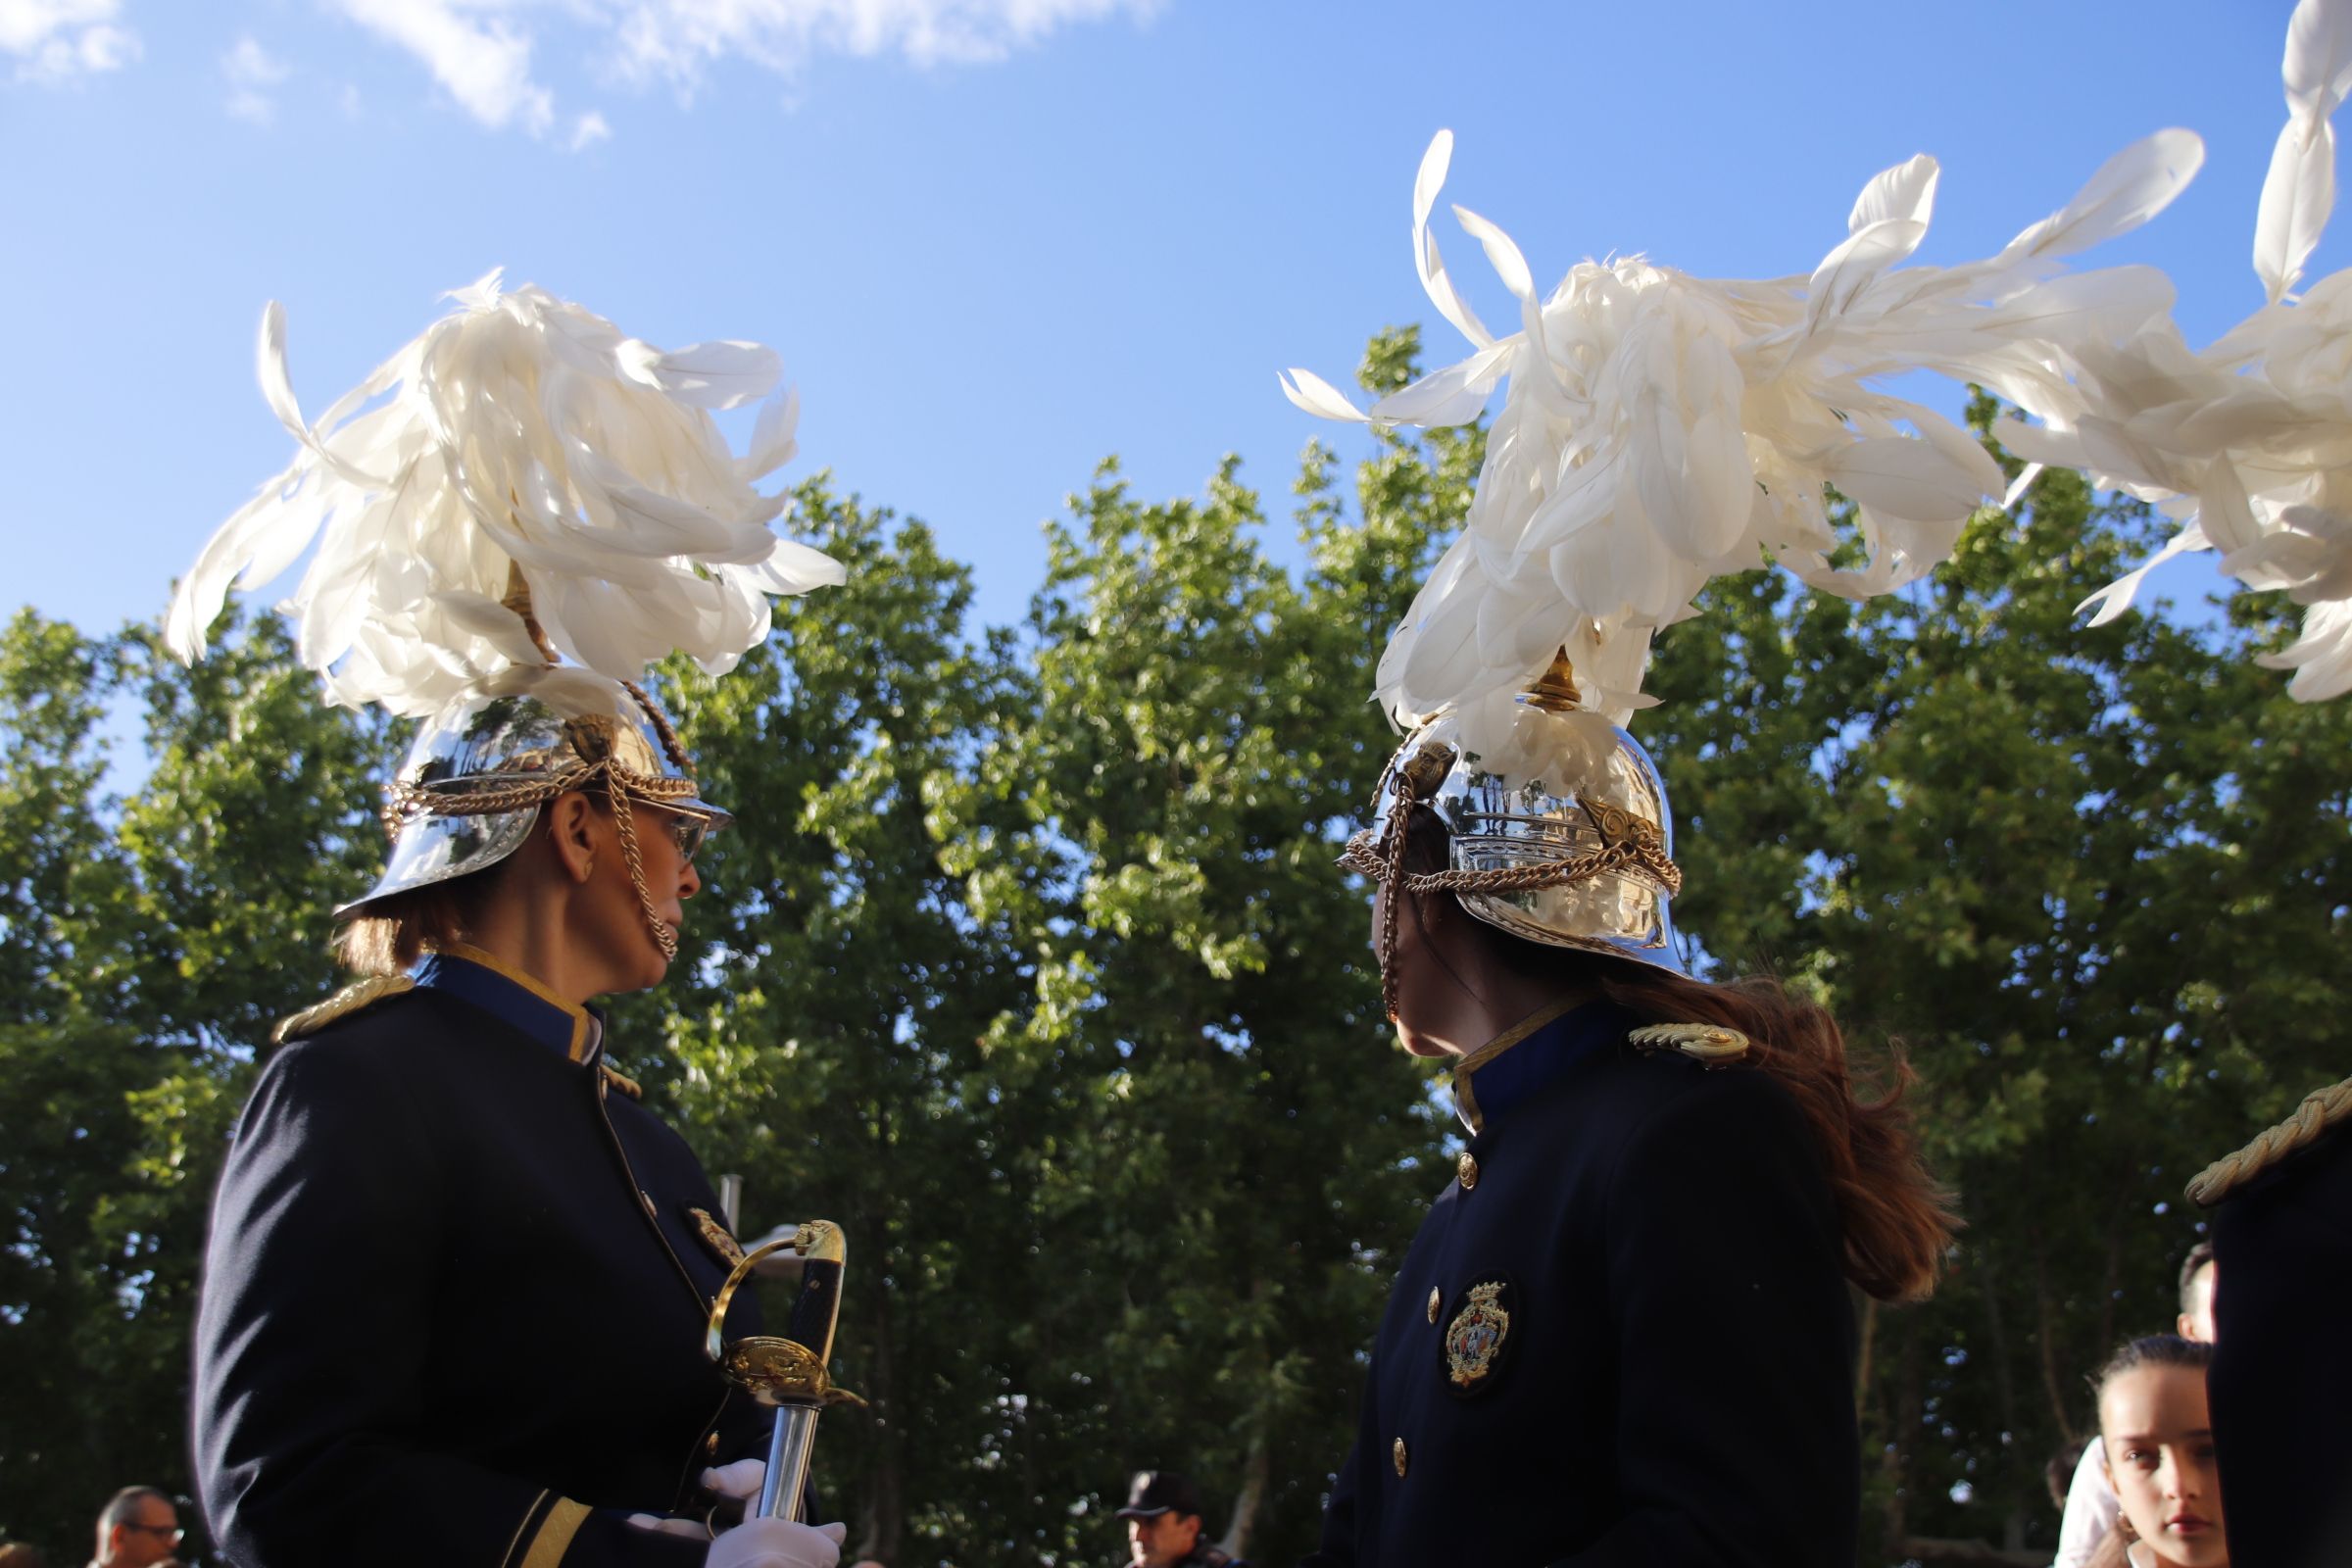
{"x": 788, "y": 1374}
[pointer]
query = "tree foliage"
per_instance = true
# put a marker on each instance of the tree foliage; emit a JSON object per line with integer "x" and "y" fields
{"x": 1027, "y": 962}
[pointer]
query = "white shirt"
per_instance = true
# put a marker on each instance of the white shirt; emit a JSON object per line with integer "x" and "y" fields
{"x": 2092, "y": 1507}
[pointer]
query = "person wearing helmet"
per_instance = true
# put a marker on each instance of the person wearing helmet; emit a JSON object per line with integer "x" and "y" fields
{"x": 457, "y": 1268}
{"x": 1622, "y": 1334}
{"x": 459, "y": 1276}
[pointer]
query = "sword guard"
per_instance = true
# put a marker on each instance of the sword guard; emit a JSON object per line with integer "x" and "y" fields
{"x": 777, "y": 1371}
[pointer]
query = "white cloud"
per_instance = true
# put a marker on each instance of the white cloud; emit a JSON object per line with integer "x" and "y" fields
{"x": 252, "y": 71}
{"x": 675, "y": 39}
{"x": 480, "y": 51}
{"x": 482, "y": 59}
{"x": 60, "y": 40}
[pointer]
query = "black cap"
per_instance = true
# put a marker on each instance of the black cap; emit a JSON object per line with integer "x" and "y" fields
{"x": 1153, "y": 1493}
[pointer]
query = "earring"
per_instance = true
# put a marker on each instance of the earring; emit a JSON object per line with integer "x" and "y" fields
{"x": 2125, "y": 1527}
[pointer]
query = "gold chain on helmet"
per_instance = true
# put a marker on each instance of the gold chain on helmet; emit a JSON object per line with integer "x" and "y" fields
{"x": 1629, "y": 844}
{"x": 405, "y": 800}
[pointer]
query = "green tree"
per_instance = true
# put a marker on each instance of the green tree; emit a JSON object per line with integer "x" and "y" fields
{"x": 152, "y": 942}
{"x": 1251, "y": 1153}
{"x": 2091, "y": 879}
{"x": 832, "y": 1043}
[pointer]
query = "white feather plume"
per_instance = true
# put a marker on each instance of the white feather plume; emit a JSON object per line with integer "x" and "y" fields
{"x": 1659, "y": 429}
{"x": 2248, "y": 442}
{"x": 519, "y": 432}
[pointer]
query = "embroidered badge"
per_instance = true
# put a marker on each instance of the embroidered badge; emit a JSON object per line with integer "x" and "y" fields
{"x": 1477, "y": 1338}
{"x": 716, "y": 1236}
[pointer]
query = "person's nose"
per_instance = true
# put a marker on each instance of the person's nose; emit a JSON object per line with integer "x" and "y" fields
{"x": 690, "y": 881}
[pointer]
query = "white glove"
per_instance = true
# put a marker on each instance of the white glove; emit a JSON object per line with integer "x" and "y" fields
{"x": 740, "y": 1480}
{"x": 776, "y": 1543}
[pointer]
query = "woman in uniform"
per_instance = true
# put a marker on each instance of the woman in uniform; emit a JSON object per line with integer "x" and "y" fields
{"x": 459, "y": 1275}
{"x": 1623, "y": 1333}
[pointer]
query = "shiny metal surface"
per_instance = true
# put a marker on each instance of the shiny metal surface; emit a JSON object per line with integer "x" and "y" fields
{"x": 1496, "y": 826}
{"x": 491, "y": 743}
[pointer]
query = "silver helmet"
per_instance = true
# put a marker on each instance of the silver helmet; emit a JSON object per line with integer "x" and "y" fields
{"x": 472, "y": 784}
{"x": 1576, "y": 853}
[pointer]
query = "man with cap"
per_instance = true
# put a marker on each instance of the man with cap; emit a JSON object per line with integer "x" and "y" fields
{"x": 1163, "y": 1524}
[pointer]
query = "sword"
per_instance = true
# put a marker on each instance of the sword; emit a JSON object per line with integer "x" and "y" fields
{"x": 788, "y": 1374}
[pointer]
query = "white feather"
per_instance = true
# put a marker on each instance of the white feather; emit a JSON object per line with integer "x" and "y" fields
{"x": 1318, "y": 397}
{"x": 2128, "y": 189}
{"x": 1435, "y": 282}
{"x": 2318, "y": 67}
{"x": 1657, "y": 429}
{"x": 2297, "y": 196}
{"x": 520, "y": 432}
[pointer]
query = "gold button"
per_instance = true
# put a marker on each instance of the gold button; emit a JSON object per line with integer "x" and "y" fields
{"x": 1432, "y": 1304}
{"x": 712, "y": 1448}
{"x": 652, "y": 1212}
{"x": 1397, "y": 1453}
{"x": 1467, "y": 1169}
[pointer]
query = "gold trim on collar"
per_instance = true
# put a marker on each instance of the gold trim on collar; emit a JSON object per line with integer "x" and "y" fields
{"x": 581, "y": 1031}
{"x": 1465, "y": 1100}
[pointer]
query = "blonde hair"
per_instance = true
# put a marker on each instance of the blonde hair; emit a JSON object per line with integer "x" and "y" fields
{"x": 398, "y": 930}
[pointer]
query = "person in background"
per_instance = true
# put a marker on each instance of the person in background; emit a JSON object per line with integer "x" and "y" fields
{"x": 2156, "y": 1442}
{"x": 138, "y": 1528}
{"x": 2090, "y": 1504}
{"x": 1163, "y": 1524}
{"x": 17, "y": 1555}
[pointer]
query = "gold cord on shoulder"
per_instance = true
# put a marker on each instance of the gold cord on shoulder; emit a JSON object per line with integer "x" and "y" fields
{"x": 354, "y": 997}
{"x": 1710, "y": 1044}
{"x": 2320, "y": 1109}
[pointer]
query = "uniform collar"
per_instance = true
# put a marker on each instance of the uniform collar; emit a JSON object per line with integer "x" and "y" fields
{"x": 1530, "y": 1054}
{"x": 511, "y": 995}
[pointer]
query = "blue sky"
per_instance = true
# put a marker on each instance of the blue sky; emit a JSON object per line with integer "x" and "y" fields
{"x": 995, "y": 240}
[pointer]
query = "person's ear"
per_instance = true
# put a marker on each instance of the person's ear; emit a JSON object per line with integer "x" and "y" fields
{"x": 571, "y": 829}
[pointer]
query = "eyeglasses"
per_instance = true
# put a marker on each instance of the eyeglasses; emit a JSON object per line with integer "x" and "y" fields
{"x": 172, "y": 1534}
{"x": 686, "y": 831}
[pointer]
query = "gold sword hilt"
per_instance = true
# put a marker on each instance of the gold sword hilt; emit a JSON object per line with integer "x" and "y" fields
{"x": 788, "y": 1374}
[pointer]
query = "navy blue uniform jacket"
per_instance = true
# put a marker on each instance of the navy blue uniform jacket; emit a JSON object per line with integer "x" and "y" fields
{"x": 1621, "y": 1337}
{"x": 2281, "y": 1378}
{"x": 454, "y": 1298}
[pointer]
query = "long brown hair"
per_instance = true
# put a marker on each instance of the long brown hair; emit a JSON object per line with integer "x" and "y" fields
{"x": 1897, "y": 1221}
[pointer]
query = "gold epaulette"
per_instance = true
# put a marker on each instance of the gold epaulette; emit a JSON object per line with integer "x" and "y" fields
{"x": 2322, "y": 1110}
{"x": 355, "y": 998}
{"x": 620, "y": 1081}
{"x": 1710, "y": 1044}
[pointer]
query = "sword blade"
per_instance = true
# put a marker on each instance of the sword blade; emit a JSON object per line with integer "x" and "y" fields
{"x": 788, "y": 1448}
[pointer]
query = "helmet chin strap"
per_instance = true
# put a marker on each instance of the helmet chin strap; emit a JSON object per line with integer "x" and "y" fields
{"x": 624, "y": 822}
